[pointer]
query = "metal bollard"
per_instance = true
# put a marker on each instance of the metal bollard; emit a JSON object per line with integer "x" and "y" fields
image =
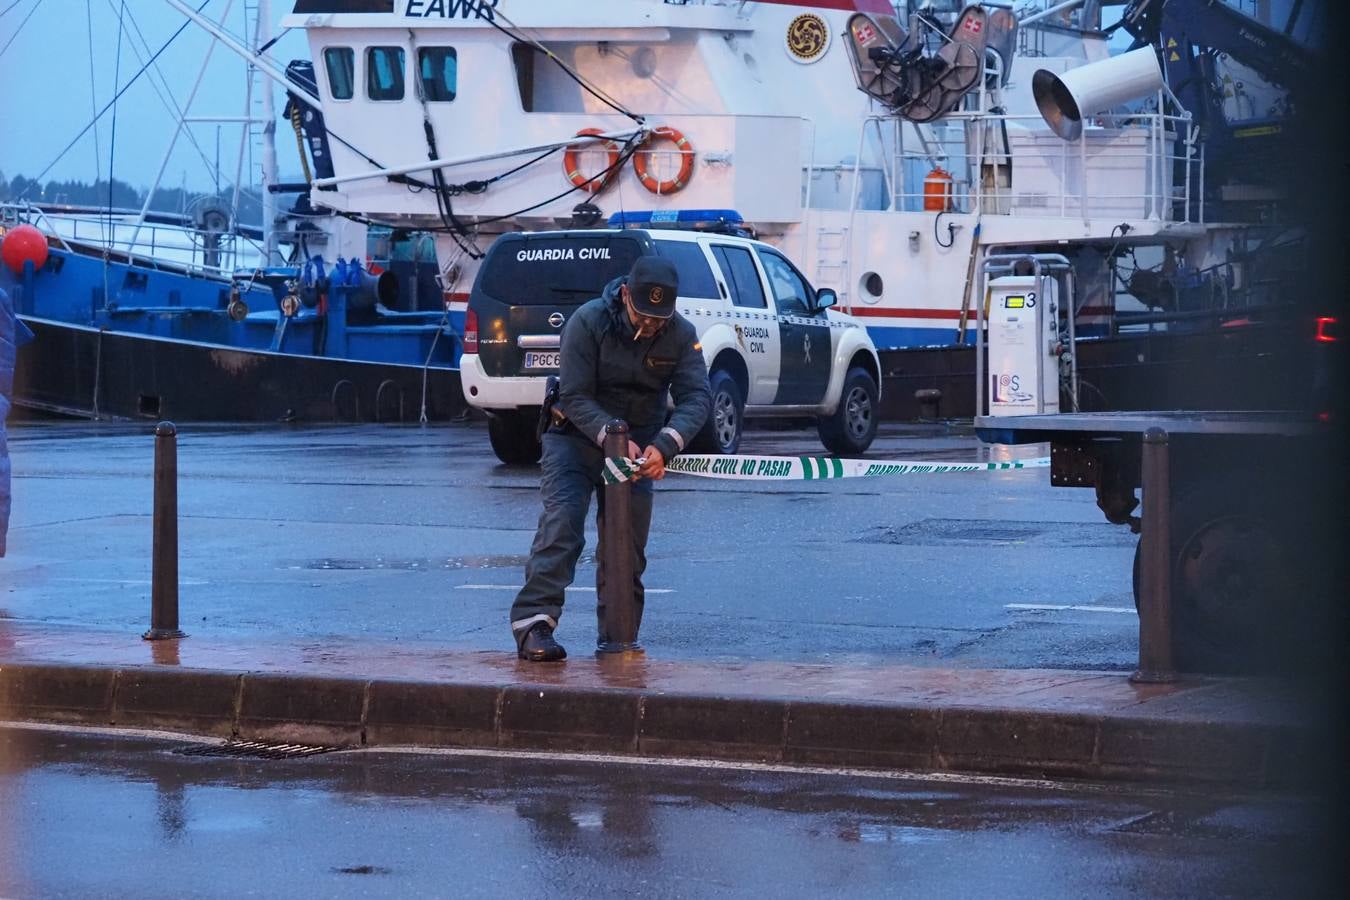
{"x": 1155, "y": 565}
{"x": 929, "y": 400}
{"x": 164, "y": 563}
{"x": 620, "y": 619}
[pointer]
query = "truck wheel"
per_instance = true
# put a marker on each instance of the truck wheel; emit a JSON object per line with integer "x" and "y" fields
{"x": 850, "y": 431}
{"x": 511, "y": 433}
{"x": 722, "y": 432}
{"x": 1232, "y": 582}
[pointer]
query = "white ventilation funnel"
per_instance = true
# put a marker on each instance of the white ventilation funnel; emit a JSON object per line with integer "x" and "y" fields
{"x": 1065, "y": 100}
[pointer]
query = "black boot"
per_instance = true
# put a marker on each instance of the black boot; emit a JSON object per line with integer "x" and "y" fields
{"x": 538, "y": 645}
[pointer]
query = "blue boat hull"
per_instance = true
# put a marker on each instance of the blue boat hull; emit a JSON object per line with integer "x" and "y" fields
{"x": 124, "y": 338}
{"x": 77, "y": 370}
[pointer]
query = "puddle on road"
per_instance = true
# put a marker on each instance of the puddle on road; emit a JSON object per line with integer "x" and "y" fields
{"x": 410, "y": 564}
{"x": 968, "y": 532}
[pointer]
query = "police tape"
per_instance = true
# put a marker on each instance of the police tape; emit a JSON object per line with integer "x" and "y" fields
{"x": 807, "y": 468}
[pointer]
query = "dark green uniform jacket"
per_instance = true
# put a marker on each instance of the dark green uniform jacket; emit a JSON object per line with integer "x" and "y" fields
{"x": 605, "y": 374}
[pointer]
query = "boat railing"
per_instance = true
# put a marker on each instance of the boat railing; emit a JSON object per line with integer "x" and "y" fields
{"x": 153, "y": 245}
{"x": 1143, "y": 166}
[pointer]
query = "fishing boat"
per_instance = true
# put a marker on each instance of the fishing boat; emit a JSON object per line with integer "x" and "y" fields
{"x": 179, "y": 329}
{"x": 197, "y": 316}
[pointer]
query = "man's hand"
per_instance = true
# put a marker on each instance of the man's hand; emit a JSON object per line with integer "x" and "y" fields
{"x": 634, "y": 454}
{"x": 655, "y": 465}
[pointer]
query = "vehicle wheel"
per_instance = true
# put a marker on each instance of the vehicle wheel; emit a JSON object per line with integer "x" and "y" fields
{"x": 1233, "y": 586}
{"x": 512, "y": 436}
{"x": 722, "y": 432}
{"x": 852, "y": 428}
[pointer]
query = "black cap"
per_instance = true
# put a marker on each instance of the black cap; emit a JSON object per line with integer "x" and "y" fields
{"x": 653, "y": 284}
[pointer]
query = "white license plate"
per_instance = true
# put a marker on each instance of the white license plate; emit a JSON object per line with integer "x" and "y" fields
{"x": 537, "y": 360}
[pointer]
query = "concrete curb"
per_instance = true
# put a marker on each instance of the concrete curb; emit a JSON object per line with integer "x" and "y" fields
{"x": 350, "y": 712}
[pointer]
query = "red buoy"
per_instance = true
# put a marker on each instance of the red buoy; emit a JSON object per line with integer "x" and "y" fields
{"x": 23, "y": 244}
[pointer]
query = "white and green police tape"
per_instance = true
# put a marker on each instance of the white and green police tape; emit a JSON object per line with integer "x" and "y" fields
{"x": 807, "y": 468}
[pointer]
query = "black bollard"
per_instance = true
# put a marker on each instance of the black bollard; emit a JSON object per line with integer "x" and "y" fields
{"x": 929, "y": 400}
{"x": 620, "y": 619}
{"x": 1155, "y": 565}
{"x": 164, "y": 563}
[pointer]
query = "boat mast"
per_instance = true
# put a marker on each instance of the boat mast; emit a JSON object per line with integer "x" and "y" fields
{"x": 262, "y": 35}
{"x": 173, "y": 141}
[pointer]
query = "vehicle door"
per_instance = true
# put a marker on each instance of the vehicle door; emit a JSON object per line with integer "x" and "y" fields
{"x": 753, "y": 320}
{"x": 807, "y": 353}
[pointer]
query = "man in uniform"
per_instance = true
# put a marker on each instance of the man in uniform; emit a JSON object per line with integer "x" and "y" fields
{"x": 13, "y": 333}
{"x": 623, "y": 353}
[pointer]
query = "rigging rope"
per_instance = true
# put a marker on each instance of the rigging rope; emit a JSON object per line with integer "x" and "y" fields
{"x": 166, "y": 93}
{"x": 112, "y": 142}
{"x": 15, "y": 35}
{"x": 491, "y": 14}
{"x": 93, "y": 87}
{"x": 110, "y": 103}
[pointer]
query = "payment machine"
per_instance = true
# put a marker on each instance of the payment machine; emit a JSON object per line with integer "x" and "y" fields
{"x": 1024, "y": 346}
{"x": 1027, "y": 338}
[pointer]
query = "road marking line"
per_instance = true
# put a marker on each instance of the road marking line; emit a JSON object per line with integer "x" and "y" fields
{"x": 1058, "y": 607}
{"x": 516, "y": 587}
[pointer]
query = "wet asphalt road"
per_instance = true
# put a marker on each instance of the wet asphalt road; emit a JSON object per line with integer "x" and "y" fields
{"x": 127, "y": 816}
{"x": 420, "y": 535}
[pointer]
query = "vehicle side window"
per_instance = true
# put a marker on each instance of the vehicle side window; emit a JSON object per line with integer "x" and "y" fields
{"x": 384, "y": 73}
{"x": 789, "y": 289}
{"x": 696, "y": 277}
{"x": 340, "y": 63}
{"x": 742, "y": 276}
{"x": 439, "y": 71}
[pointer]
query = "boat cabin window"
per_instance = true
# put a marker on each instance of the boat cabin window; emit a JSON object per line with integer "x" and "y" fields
{"x": 741, "y": 275}
{"x": 437, "y": 68}
{"x": 340, "y": 63}
{"x": 696, "y": 277}
{"x": 384, "y": 73}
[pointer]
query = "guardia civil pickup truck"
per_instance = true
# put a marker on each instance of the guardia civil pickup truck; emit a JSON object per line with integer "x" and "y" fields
{"x": 773, "y": 343}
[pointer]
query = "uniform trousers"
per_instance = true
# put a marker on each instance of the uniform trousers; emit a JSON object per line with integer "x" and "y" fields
{"x": 571, "y": 469}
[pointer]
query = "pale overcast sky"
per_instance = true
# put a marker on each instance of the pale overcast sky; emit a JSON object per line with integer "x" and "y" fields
{"x": 45, "y": 91}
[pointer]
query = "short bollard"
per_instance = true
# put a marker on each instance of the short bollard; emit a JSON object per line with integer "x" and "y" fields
{"x": 619, "y": 625}
{"x": 1155, "y": 567}
{"x": 164, "y": 563}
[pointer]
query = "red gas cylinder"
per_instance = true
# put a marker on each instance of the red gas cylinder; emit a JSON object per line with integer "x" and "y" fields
{"x": 937, "y": 190}
{"x": 23, "y": 244}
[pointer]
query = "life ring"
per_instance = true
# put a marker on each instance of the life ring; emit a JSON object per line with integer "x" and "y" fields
{"x": 640, "y": 162}
{"x": 572, "y": 165}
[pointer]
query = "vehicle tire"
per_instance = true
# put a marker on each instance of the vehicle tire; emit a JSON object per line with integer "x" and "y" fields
{"x": 1234, "y": 591}
{"x": 853, "y": 427}
{"x": 722, "y": 432}
{"x": 511, "y": 433}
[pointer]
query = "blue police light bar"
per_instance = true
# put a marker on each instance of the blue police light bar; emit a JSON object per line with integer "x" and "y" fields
{"x": 668, "y": 217}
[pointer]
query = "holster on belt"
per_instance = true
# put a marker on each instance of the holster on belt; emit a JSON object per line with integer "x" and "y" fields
{"x": 549, "y": 414}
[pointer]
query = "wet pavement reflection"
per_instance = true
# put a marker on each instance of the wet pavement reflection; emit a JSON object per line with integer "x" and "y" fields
{"x": 97, "y": 815}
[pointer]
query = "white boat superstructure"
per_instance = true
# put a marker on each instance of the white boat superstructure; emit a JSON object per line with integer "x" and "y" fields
{"x": 463, "y": 116}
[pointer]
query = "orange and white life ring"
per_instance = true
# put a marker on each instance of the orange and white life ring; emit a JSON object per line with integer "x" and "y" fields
{"x": 670, "y": 186}
{"x": 572, "y": 163}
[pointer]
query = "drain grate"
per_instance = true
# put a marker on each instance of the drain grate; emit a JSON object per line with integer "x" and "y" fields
{"x": 255, "y": 750}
